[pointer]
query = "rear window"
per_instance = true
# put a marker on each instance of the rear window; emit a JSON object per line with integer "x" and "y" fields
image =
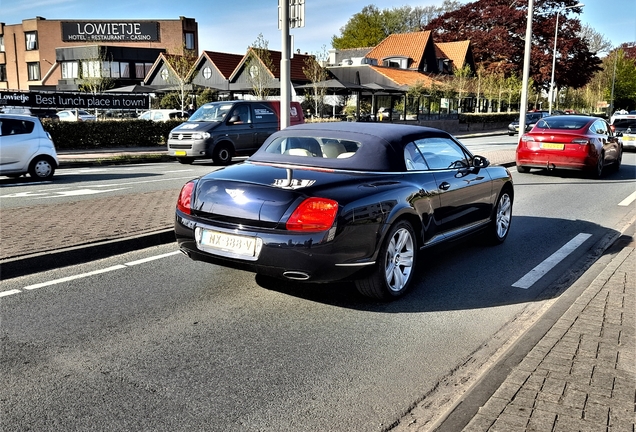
{"x": 562, "y": 122}
{"x": 15, "y": 127}
{"x": 322, "y": 147}
{"x": 624, "y": 123}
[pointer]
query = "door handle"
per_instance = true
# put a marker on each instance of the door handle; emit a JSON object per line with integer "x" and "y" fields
{"x": 445, "y": 186}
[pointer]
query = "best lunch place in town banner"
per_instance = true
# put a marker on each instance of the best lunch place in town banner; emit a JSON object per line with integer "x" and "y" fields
{"x": 102, "y": 101}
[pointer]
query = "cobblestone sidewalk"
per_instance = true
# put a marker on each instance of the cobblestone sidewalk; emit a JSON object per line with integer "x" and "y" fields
{"x": 582, "y": 375}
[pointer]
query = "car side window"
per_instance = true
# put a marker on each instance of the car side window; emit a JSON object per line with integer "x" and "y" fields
{"x": 15, "y": 127}
{"x": 442, "y": 153}
{"x": 242, "y": 113}
{"x": 599, "y": 128}
{"x": 264, "y": 114}
{"x": 413, "y": 158}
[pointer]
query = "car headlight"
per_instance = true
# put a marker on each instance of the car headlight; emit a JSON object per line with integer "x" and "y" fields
{"x": 200, "y": 135}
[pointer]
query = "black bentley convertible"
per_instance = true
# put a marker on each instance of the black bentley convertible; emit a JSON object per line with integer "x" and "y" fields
{"x": 333, "y": 201}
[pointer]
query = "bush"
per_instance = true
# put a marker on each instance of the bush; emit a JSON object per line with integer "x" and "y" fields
{"x": 109, "y": 133}
{"x": 488, "y": 117}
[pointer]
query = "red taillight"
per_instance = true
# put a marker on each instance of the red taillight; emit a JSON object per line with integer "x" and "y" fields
{"x": 313, "y": 214}
{"x": 183, "y": 203}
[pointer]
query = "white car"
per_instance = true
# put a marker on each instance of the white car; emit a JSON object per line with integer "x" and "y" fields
{"x": 162, "y": 115}
{"x": 75, "y": 115}
{"x": 25, "y": 147}
{"x": 628, "y": 139}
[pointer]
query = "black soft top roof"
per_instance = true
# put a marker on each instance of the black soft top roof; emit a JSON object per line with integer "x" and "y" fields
{"x": 382, "y": 144}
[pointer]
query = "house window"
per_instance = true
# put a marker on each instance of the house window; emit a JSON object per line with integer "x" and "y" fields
{"x": 189, "y": 41}
{"x": 34, "y": 71}
{"x": 142, "y": 69}
{"x": 207, "y": 72}
{"x": 70, "y": 69}
{"x": 3, "y": 72}
{"x": 31, "y": 41}
{"x": 115, "y": 72}
{"x": 1, "y": 43}
{"x": 124, "y": 69}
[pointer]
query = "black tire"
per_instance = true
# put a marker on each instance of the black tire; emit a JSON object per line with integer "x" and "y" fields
{"x": 523, "y": 169}
{"x": 597, "y": 172}
{"x": 501, "y": 219}
{"x": 185, "y": 160}
{"x": 617, "y": 163}
{"x": 42, "y": 168}
{"x": 394, "y": 270}
{"x": 222, "y": 154}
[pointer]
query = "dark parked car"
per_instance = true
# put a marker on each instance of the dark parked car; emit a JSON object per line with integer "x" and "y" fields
{"x": 532, "y": 118}
{"x": 332, "y": 201}
{"x": 570, "y": 142}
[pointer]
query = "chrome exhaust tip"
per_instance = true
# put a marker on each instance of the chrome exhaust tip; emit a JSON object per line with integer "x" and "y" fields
{"x": 296, "y": 275}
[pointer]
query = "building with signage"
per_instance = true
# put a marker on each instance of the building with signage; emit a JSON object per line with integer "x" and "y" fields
{"x": 41, "y": 54}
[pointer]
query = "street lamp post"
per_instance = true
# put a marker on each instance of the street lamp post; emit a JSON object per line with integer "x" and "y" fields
{"x": 556, "y": 33}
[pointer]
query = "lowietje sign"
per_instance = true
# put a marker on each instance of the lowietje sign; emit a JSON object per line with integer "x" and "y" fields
{"x": 74, "y": 100}
{"x": 110, "y": 31}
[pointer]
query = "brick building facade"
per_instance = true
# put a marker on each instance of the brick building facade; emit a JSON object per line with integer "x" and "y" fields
{"x": 53, "y": 54}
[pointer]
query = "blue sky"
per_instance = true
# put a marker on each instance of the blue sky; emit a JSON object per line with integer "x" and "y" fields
{"x": 226, "y": 27}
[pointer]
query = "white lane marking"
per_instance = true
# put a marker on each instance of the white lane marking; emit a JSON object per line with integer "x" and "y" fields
{"x": 79, "y": 276}
{"x": 152, "y": 258}
{"x": 537, "y": 273}
{"x": 627, "y": 201}
{"x": 10, "y": 292}
{"x": 96, "y": 272}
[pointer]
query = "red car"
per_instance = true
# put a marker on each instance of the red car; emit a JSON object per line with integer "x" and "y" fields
{"x": 570, "y": 142}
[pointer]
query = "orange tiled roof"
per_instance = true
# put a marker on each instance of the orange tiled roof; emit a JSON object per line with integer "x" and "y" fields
{"x": 404, "y": 77}
{"x": 411, "y": 45}
{"x": 455, "y": 51}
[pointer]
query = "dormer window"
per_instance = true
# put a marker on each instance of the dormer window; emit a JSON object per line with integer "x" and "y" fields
{"x": 396, "y": 62}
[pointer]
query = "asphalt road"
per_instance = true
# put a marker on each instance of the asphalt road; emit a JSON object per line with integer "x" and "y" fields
{"x": 153, "y": 341}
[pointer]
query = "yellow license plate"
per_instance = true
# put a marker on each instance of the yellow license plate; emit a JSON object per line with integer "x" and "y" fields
{"x": 553, "y": 146}
{"x": 180, "y": 153}
{"x": 629, "y": 138}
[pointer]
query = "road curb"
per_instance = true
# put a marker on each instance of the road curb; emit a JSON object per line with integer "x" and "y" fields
{"x": 608, "y": 250}
{"x": 34, "y": 263}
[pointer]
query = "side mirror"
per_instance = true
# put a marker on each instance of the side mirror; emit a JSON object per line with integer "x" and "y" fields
{"x": 480, "y": 162}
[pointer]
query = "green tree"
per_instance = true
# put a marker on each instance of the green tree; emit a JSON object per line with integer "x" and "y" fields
{"x": 624, "y": 80}
{"x": 461, "y": 82}
{"x": 315, "y": 72}
{"x": 371, "y": 26}
{"x": 259, "y": 68}
{"x": 95, "y": 73}
{"x": 180, "y": 74}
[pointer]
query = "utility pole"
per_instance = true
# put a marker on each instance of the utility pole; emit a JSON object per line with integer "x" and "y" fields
{"x": 523, "y": 109}
{"x": 285, "y": 69}
{"x": 297, "y": 8}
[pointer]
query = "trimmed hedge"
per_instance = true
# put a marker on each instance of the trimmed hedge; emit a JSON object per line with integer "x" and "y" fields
{"x": 468, "y": 118}
{"x": 109, "y": 133}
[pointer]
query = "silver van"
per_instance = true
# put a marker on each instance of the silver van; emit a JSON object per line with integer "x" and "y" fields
{"x": 222, "y": 130}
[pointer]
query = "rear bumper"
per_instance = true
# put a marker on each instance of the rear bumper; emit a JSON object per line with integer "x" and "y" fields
{"x": 555, "y": 159}
{"x": 311, "y": 257}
